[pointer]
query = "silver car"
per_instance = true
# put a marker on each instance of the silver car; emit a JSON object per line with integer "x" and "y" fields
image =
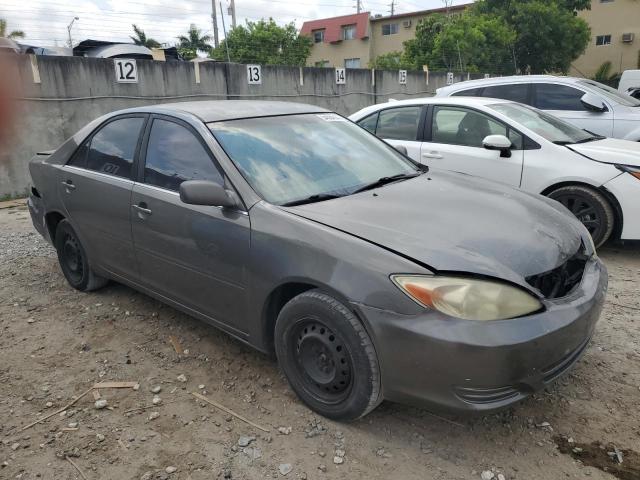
{"x": 585, "y": 103}
{"x": 300, "y": 233}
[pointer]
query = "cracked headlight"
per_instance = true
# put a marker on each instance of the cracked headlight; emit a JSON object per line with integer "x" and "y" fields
{"x": 468, "y": 298}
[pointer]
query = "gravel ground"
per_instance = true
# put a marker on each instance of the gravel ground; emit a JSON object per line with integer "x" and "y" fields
{"x": 55, "y": 343}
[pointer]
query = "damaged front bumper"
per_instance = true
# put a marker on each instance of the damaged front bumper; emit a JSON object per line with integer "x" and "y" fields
{"x": 449, "y": 364}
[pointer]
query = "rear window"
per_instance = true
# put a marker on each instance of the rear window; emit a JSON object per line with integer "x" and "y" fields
{"x": 471, "y": 92}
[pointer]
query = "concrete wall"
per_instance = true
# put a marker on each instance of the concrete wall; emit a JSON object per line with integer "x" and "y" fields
{"x": 72, "y": 91}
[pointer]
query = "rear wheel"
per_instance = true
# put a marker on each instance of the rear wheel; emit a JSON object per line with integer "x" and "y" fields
{"x": 73, "y": 260}
{"x": 590, "y": 207}
{"x": 327, "y": 356}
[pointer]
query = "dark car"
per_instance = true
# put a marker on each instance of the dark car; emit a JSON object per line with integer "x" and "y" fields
{"x": 300, "y": 233}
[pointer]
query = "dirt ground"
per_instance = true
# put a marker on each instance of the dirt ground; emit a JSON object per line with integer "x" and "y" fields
{"x": 55, "y": 343}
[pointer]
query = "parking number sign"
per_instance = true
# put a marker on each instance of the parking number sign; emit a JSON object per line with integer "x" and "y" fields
{"x": 449, "y": 78}
{"x": 254, "y": 75}
{"x": 402, "y": 77}
{"x": 341, "y": 77}
{"x": 126, "y": 70}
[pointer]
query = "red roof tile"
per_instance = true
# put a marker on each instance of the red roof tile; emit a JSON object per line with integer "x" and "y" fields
{"x": 333, "y": 26}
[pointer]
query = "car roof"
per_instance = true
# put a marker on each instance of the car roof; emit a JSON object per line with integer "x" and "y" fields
{"x": 462, "y": 101}
{"x": 510, "y": 79}
{"x": 218, "y": 110}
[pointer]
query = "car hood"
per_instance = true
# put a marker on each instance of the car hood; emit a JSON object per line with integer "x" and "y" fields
{"x": 610, "y": 150}
{"x": 457, "y": 223}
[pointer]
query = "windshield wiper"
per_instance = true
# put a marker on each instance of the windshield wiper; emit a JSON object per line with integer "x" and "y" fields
{"x": 591, "y": 139}
{"x": 385, "y": 180}
{"x": 319, "y": 197}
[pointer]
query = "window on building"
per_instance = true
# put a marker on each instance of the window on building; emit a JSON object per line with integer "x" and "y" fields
{"x": 318, "y": 36}
{"x": 351, "y": 63}
{"x": 112, "y": 149}
{"x": 390, "y": 29}
{"x": 349, "y": 32}
{"x": 321, "y": 63}
{"x": 603, "y": 40}
{"x": 174, "y": 155}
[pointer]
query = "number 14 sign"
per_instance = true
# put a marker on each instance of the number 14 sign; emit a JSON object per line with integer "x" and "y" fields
{"x": 126, "y": 70}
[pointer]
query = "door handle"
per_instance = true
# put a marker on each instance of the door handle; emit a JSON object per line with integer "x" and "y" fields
{"x": 69, "y": 185}
{"x": 142, "y": 208}
{"x": 432, "y": 155}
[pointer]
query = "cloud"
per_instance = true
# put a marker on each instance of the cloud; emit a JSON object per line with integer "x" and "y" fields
{"x": 45, "y": 21}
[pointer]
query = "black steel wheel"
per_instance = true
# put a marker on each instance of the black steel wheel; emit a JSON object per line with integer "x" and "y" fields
{"x": 73, "y": 259}
{"x": 327, "y": 356}
{"x": 590, "y": 207}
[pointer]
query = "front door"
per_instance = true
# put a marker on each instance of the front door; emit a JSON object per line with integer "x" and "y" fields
{"x": 192, "y": 255}
{"x": 96, "y": 187}
{"x": 457, "y": 135}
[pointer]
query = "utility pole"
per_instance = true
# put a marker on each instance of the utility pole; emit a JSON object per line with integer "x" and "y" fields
{"x": 226, "y": 40}
{"x": 214, "y": 19}
{"x": 358, "y": 6}
{"x": 69, "y": 31}
{"x": 393, "y": 7}
{"x": 232, "y": 7}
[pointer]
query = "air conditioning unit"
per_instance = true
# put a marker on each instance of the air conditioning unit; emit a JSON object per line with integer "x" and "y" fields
{"x": 406, "y": 23}
{"x": 627, "y": 37}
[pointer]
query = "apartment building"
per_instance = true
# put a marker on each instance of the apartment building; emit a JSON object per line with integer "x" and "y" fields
{"x": 352, "y": 41}
{"x": 615, "y": 37}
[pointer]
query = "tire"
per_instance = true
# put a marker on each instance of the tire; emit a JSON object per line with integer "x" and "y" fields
{"x": 590, "y": 207}
{"x": 327, "y": 357}
{"x": 73, "y": 260}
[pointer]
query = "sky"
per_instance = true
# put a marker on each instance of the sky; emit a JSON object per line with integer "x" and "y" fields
{"x": 45, "y": 21}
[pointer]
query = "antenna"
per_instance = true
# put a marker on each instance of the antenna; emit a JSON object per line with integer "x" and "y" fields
{"x": 393, "y": 7}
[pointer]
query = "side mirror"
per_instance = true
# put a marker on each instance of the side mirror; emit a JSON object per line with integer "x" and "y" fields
{"x": 500, "y": 143}
{"x": 402, "y": 149}
{"x": 593, "y": 102}
{"x": 204, "y": 192}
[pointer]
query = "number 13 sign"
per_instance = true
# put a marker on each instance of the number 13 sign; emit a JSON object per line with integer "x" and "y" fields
{"x": 126, "y": 70}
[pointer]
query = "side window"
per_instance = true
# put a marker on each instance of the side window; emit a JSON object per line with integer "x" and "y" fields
{"x": 459, "y": 126}
{"x": 515, "y": 92}
{"x": 471, "y": 92}
{"x": 174, "y": 155}
{"x": 369, "y": 123}
{"x": 516, "y": 139}
{"x": 399, "y": 123}
{"x": 79, "y": 158}
{"x": 112, "y": 149}
{"x": 558, "y": 97}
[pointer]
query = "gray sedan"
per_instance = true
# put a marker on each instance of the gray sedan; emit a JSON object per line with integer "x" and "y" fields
{"x": 303, "y": 235}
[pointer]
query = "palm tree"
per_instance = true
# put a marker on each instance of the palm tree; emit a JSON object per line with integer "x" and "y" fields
{"x": 190, "y": 44}
{"x": 141, "y": 38}
{"x": 13, "y": 34}
{"x": 604, "y": 75}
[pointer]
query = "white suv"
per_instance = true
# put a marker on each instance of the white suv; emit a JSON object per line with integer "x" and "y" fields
{"x": 587, "y": 104}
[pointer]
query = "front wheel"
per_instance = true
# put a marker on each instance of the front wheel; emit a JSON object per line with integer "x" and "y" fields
{"x": 327, "y": 357}
{"x": 590, "y": 207}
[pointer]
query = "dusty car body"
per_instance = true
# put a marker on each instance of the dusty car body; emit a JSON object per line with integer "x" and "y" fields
{"x": 333, "y": 273}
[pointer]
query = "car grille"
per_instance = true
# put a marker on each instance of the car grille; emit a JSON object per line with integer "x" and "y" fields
{"x": 560, "y": 281}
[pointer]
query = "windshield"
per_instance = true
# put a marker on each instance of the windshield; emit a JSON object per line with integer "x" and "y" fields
{"x": 293, "y": 157}
{"x": 547, "y": 126}
{"x": 612, "y": 94}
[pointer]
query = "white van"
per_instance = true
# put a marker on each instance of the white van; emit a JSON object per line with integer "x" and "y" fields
{"x": 630, "y": 83}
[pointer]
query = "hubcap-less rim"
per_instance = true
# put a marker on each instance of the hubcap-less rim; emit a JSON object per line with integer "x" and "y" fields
{"x": 72, "y": 256}
{"x": 323, "y": 362}
{"x": 585, "y": 212}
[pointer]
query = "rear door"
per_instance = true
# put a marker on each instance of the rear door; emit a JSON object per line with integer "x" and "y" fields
{"x": 399, "y": 126}
{"x": 193, "y": 255}
{"x": 96, "y": 192}
{"x": 563, "y": 101}
{"x": 455, "y": 142}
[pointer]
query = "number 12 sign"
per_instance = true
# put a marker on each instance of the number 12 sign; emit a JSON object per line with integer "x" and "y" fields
{"x": 126, "y": 70}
